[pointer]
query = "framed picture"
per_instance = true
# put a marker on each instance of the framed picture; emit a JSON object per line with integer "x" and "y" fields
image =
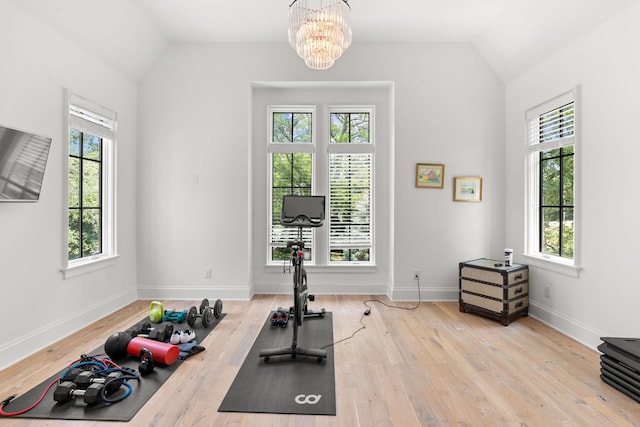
{"x": 429, "y": 175}
{"x": 467, "y": 189}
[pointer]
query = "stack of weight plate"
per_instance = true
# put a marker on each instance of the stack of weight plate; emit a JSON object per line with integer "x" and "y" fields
{"x": 620, "y": 365}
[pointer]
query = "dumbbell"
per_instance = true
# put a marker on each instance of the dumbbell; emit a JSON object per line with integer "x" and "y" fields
{"x": 112, "y": 382}
{"x": 67, "y": 390}
{"x": 157, "y": 333}
{"x": 206, "y": 313}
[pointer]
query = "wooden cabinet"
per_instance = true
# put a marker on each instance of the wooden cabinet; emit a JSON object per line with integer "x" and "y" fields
{"x": 491, "y": 289}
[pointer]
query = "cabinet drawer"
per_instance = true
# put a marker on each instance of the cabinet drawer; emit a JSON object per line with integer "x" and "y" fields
{"x": 495, "y": 276}
{"x": 494, "y": 305}
{"x": 482, "y": 302}
{"x": 494, "y": 291}
{"x": 518, "y": 304}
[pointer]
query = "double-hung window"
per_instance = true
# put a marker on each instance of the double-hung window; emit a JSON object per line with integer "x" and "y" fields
{"x": 331, "y": 156}
{"x": 350, "y": 186}
{"x": 291, "y": 158}
{"x": 551, "y": 213}
{"x": 91, "y": 207}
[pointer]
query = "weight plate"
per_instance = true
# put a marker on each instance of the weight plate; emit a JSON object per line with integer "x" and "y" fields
{"x": 168, "y": 331}
{"x": 192, "y": 316}
{"x": 207, "y": 316}
{"x": 217, "y": 308}
{"x": 203, "y": 305}
{"x": 145, "y": 328}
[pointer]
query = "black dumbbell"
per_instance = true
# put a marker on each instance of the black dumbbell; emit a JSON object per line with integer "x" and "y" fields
{"x": 157, "y": 333}
{"x": 67, "y": 390}
{"x": 206, "y": 313}
{"x": 217, "y": 307}
{"x": 113, "y": 381}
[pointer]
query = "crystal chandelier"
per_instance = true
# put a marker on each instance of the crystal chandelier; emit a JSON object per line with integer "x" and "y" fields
{"x": 320, "y": 30}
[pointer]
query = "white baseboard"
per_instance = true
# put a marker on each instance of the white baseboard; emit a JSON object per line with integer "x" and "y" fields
{"x": 326, "y": 288}
{"x": 426, "y": 294}
{"x": 31, "y": 342}
{"x": 243, "y": 293}
{"x": 575, "y": 330}
{"x": 238, "y": 293}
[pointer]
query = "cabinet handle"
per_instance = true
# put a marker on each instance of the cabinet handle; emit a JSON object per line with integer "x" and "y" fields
{"x": 518, "y": 290}
{"x": 518, "y": 276}
{"x": 520, "y": 304}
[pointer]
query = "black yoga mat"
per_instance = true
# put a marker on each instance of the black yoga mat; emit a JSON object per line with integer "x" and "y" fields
{"x": 124, "y": 410}
{"x": 284, "y": 385}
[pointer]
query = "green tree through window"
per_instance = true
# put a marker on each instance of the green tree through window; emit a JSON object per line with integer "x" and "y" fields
{"x": 291, "y": 173}
{"x": 85, "y": 194}
{"x": 350, "y": 189}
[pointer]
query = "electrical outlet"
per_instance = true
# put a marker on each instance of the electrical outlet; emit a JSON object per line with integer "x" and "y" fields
{"x": 547, "y": 291}
{"x": 207, "y": 273}
{"x": 416, "y": 274}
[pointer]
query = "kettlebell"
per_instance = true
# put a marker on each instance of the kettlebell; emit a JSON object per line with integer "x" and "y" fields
{"x": 156, "y": 312}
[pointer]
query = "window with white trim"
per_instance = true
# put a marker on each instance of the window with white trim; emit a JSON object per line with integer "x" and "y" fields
{"x": 344, "y": 150}
{"x": 551, "y": 145}
{"x": 350, "y": 186}
{"x": 291, "y": 157}
{"x": 91, "y": 213}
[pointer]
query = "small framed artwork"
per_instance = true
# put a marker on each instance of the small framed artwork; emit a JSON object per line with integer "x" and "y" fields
{"x": 467, "y": 189}
{"x": 429, "y": 175}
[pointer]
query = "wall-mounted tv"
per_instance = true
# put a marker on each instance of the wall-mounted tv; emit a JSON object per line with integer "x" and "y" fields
{"x": 23, "y": 158}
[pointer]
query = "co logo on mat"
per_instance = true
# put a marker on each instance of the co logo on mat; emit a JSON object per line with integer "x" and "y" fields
{"x": 308, "y": 399}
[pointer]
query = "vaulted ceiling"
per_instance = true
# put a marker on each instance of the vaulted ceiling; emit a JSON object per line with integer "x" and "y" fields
{"x": 512, "y": 35}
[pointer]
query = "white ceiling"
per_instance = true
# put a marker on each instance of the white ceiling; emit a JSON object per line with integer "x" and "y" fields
{"x": 513, "y": 35}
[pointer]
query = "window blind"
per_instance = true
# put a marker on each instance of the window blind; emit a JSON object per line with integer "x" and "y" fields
{"x": 552, "y": 122}
{"x": 350, "y": 200}
{"x": 90, "y": 118}
{"x": 553, "y": 125}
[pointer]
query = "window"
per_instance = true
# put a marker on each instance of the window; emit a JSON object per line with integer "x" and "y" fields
{"x": 291, "y": 159}
{"x": 551, "y": 139}
{"x": 85, "y": 194}
{"x": 91, "y": 234}
{"x": 350, "y": 179}
{"x": 344, "y": 151}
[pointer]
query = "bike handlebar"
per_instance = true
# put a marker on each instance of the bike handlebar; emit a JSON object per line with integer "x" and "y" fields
{"x": 301, "y": 221}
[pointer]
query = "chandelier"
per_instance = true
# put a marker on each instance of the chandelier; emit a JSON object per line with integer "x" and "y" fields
{"x": 320, "y": 30}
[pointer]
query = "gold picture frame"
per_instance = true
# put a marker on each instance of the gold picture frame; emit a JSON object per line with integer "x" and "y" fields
{"x": 429, "y": 175}
{"x": 467, "y": 189}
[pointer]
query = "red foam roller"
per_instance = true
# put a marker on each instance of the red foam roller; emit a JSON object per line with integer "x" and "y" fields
{"x": 161, "y": 352}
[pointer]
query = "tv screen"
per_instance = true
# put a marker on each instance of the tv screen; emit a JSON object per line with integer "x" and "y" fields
{"x": 23, "y": 157}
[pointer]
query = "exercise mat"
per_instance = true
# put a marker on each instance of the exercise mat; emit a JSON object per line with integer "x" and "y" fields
{"x": 284, "y": 385}
{"x": 124, "y": 410}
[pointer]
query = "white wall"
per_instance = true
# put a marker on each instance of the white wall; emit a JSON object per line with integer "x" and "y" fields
{"x": 197, "y": 201}
{"x": 38, "y": 305}
{"x": 603, "y": 300}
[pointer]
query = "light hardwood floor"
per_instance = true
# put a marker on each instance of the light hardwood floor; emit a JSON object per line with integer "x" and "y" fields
{"x": 433, "y": 366}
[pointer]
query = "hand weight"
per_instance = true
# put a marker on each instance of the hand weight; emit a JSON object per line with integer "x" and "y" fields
{"x": 206, "y": 313}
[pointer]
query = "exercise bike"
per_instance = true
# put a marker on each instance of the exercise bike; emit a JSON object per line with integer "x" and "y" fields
{"x": 301, "y": 212}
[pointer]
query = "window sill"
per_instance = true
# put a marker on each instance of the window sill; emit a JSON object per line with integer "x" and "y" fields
{"x": 553, "y": 264}
{"x": 80, "y": 267}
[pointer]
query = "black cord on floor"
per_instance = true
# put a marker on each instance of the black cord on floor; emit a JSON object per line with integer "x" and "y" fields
{"x": 397, "y": 306}
{"x": 368, "y": 310}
